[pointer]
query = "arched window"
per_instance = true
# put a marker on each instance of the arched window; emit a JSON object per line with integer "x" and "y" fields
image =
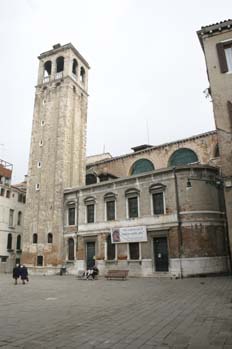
{"x": 50, "y": 238}
{"x": 70, "y": 249}
{"x": 82, "y": 75}
{"x": 9, "y": 242}
{"x": 90, "y": 179}
{"x": 19, "y": 218}
{"x": 59, "y": 64}
{"x": 182, "y": 156}
{"x": 142, "y": 165}
{"x": 74, "y": 67}
{"x": 90, "y": 202}
{"x": 132, "y": 196}
{"x": 35, "y": 238}
{"x": 47, "y": 68}
{"x": 18, "y": 243}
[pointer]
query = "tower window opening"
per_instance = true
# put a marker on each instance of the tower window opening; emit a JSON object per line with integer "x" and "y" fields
{"x": 35, "y": 238}
{"x": 74, "y": 67}
{"x": 82, "y": 75}
{"x": 60, "y": 64}
{"x": 47, "y": 69}
{"x": 50, "y": 238}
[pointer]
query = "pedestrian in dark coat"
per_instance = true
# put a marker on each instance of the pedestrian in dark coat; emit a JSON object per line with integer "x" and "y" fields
{"x": 16, "y": 273}
{"x": 24, "y": 274}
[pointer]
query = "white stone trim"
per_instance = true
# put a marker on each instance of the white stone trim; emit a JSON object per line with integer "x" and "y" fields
{"x": 205, "y": 212}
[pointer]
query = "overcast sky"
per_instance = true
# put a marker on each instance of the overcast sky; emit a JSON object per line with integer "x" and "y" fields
{"x": 147, "y": 69}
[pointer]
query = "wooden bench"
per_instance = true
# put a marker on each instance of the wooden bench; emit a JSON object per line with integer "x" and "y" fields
{"x": 117, "y": 274}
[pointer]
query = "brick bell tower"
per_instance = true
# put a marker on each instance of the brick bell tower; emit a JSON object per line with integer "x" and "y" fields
{"x": 57, "y": 153}
{"x": 216, "y": 41}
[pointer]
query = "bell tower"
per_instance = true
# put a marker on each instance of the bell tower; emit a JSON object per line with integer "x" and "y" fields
{"x": 216, "y": 41}
{"x": 57, "y": 152}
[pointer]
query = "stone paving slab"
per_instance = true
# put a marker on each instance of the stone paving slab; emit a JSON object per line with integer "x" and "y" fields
{"x": 63, "y": 312}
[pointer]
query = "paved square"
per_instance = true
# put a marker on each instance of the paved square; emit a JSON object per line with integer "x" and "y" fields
{"x": 63, "y": 312}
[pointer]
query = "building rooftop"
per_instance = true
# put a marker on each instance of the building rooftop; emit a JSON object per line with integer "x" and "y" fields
{"x": 211, "y": 29}
{"x": 153, "y": 147}
{"x": 6, "y": 169}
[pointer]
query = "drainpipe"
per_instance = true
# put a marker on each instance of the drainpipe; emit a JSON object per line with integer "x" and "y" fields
{"x": 77, "y": 217}
{"x": 180, "y": 236}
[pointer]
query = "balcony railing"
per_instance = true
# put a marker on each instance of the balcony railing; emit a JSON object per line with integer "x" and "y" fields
{"x": 59, "y": 75}
{"x": 74, "y": 76}
{"x": 46, "y": 79}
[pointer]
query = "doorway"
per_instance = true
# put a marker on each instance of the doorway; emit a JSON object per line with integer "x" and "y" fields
{"x": 161, "y": 254}
{"x": 70, "y": 249}
{"x": 90, "y": 254}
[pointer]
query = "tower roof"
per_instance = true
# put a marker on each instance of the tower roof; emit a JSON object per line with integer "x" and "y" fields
{"x": 59, "y": 48}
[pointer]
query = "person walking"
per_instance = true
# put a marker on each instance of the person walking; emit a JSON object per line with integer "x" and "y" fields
{"x": 16, "y": 273}
{"x": 24, "y": 274}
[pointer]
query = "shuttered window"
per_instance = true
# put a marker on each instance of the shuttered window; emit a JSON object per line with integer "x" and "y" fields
{"x": 90, "y": 213}
{"x": 158, "y": 203}
{"x": 110, "y": 210}
{"x": 71, "y": 215}
{"x": 133, "y": 207}
{"x": 229, "y": 106}
{"x": 134, "y": 250}
{"x": 224, "y": 51}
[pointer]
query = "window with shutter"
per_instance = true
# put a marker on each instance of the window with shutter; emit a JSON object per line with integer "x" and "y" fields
{"x": 90, "y": 213}
{"x": 133, "y": 207}
{"x": 71, "y": 215}
{"x": 224, "y": 50}
{"x": 134, "y": 250}
{"x": 229, "y": 106}
{"x": 158, "y": 203}
{"x": 110, "y": 210}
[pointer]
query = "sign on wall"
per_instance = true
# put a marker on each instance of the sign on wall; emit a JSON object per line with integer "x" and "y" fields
{"x": 130, "y": 234}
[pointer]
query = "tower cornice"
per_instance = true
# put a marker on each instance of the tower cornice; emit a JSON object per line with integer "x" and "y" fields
{"x": 58, "y": 48}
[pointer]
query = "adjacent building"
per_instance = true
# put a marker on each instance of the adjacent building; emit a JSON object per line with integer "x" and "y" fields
{"x": 12, "y": 203}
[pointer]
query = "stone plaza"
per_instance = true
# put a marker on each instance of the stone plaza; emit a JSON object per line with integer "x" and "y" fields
{"x": 64, "y": 312}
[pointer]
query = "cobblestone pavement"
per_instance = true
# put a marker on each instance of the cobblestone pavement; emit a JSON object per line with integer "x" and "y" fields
{"x": 63, "y": 312}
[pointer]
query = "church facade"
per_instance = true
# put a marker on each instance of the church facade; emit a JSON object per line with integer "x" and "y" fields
{"x": 160, "y": 210}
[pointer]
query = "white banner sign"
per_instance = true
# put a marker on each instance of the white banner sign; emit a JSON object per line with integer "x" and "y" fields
{"x": 131, "y": 234}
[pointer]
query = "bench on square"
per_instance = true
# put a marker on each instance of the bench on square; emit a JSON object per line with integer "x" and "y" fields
{"x": 117, "y": 274}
